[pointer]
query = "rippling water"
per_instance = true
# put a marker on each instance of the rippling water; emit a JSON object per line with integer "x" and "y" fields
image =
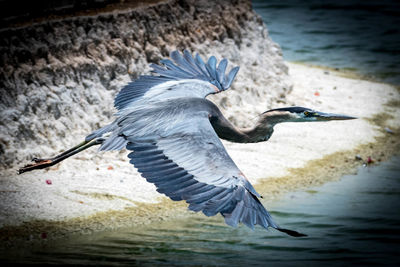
{"x": 352, "y": 34}
{"x": 355, "y": 220}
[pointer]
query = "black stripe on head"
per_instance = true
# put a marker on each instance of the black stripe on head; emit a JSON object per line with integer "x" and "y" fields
{"x": 290, "y": 109}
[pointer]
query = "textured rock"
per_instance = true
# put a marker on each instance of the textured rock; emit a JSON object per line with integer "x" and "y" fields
{"x": 58, "y": 78}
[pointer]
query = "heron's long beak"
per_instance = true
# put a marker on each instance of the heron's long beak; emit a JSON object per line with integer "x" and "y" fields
{"x": 321, "y": 116}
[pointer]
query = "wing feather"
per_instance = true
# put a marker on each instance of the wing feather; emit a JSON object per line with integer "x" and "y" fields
{"x": 191, "y": 164}
{"x": 186, "y": 76}
{"x": 231, "y": 77}
{"x": 221, "y": 71}
{"x": 200, "y": 64}
{"x": 183, "y": 63}
{"x": 183, "y": 67}
{"x": 211, "y": 67}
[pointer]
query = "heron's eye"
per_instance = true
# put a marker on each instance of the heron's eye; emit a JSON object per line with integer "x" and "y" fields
{"x": 306, "y": 113}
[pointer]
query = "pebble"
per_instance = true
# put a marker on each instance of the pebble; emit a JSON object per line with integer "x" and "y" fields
{"x": 388, "y": 130}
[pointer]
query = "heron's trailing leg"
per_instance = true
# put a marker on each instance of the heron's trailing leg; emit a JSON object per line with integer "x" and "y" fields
{"x": 44, "y": 163}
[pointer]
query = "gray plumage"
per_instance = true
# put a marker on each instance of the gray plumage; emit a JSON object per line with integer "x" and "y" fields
{"x": 185, "y": 67}
{"x": 175, "y": 147}
{"x": 174, "y": 134}
{"x": 166, "y": 123}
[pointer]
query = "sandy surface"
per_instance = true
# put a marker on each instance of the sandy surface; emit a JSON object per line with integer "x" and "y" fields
{"x": 94, "y": 191}
{"x": 294, "y": 144}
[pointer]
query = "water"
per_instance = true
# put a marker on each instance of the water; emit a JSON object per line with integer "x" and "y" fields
{"x": 355, "y": 220}
{"x": 351, "y": 34}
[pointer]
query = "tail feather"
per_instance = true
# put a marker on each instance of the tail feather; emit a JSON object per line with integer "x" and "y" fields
{"x": 102, "y": 131}
{"x": 114, "y": 141}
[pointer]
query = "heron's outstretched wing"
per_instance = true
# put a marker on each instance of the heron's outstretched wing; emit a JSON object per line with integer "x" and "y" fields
{"x": 185, "y": 77}
{"x": 182, "y": 70}
{"x": 186, "y": 161}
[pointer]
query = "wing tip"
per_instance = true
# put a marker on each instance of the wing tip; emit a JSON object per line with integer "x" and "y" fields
{"x": 291, "y": 232}
{"x": 205, "y": 71}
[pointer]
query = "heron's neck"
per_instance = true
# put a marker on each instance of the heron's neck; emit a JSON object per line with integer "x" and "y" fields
{"x": 258, "y": 133}
{"x": 261, "y": 131}
{"x": 264, "y": 127}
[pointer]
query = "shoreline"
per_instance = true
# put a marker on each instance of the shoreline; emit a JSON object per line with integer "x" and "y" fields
{"x": 332, "y": 167}
{"x": 345, "y": 73}
{"x": 306, "y": 163}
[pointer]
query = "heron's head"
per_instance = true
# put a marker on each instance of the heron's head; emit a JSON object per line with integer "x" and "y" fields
{"x": 300, "y": 114}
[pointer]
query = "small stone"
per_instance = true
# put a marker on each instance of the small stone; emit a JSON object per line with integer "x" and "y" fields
{"x": 358, "y": 157}
{"x": 388, "y": 130}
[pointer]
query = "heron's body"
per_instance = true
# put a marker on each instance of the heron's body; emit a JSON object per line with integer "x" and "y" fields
{"x": 173, "y": 135}
{"x": 170, "y": 113}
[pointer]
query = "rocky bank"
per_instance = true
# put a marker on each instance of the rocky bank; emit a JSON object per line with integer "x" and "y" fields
{"x": 58, "y": 77}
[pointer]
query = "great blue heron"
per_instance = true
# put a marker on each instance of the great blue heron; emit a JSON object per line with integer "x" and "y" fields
{"x": 174, "y": 135}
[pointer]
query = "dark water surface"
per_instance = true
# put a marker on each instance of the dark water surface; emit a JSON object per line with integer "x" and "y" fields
{"x": 351, "y": 34}
{"x": 352, "y": 221}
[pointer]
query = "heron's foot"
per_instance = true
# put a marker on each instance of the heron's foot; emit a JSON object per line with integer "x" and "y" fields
{"x": 44, "y": 163}
{"x": 39, "y": 164}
